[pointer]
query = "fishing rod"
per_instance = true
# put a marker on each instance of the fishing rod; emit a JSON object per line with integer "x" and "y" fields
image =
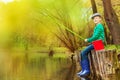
{"x": 74, "y": 33}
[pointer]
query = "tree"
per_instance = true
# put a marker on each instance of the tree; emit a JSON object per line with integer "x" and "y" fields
{"x": 94, "y": 8}
{"x": 112, "y": 21}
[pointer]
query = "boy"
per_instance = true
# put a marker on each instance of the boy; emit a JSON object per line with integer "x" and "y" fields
{"x": 98, "y": 34}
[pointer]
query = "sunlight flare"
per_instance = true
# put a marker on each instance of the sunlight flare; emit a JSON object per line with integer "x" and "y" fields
{"x": 6, "y": 1}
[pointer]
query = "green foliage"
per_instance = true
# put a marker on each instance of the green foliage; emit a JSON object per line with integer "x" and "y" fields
{"x": 33, "y": 22}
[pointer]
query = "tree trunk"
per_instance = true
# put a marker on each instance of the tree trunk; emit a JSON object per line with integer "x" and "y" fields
{"x": 94, "y": 6}
{"x": 112, "y": 21}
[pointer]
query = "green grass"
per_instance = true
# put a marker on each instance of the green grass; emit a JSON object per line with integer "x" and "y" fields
{"x": 110, "y": 47}
{"x": 60, "y": 55}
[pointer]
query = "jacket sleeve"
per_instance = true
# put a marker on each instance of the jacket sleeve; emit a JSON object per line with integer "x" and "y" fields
{"x": 96, "y": 33}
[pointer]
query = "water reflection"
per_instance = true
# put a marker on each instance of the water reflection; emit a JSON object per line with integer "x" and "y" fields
{"x": 38, "y": 66}
{"x": 32, "y": 66}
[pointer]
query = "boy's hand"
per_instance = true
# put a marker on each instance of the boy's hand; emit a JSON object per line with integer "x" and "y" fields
{"x": 85, "y": 40}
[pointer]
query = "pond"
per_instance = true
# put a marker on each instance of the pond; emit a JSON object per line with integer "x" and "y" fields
{"x": 33, "y": 66}
{"x": 20, "y": 65}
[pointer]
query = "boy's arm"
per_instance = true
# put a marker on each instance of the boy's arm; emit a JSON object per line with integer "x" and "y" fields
{"x": 96, "y": 33}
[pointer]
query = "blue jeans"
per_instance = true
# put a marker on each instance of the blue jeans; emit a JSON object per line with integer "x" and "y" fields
{"x": 84, "y": 53}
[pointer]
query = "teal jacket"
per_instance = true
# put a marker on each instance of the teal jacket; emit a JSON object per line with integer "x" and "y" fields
{"x": 98, "y": 33}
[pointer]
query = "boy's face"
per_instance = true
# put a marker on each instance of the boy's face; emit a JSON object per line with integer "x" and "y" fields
{"x": 97, "y": 19}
